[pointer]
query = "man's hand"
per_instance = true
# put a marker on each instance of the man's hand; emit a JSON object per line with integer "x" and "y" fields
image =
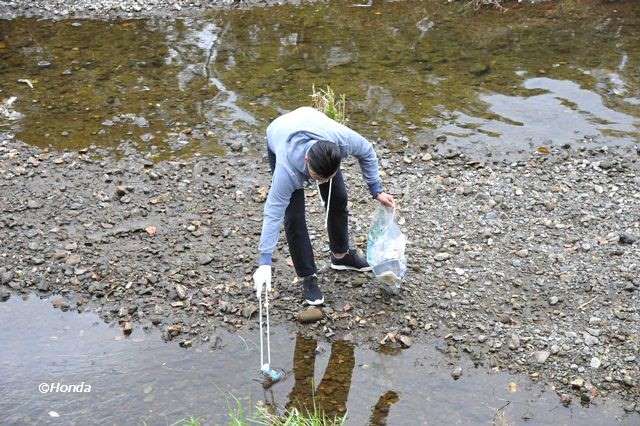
{"x": 386, "y": 200}
{"x": 262, "y": 280}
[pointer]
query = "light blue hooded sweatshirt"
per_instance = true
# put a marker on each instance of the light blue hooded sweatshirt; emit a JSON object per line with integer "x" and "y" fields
{"x": 289, "y": 137}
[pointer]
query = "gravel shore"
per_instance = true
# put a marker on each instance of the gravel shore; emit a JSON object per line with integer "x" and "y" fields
{"x": 111, "y": 9}
{"x": 529, "y": 267}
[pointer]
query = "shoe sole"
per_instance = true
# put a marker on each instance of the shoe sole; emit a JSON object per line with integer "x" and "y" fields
{"x": 315, "y": 302}
{"x": 350, "y": 268}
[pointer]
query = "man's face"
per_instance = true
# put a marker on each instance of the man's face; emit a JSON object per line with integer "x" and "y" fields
{"x": 316, "y": 177}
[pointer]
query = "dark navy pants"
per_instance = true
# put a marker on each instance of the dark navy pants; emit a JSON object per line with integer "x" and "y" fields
{"x": 295, "y": 223}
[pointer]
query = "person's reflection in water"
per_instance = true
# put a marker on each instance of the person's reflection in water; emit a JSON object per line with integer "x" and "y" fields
{"x": 332, "y": 393}
{"x": 381, "y": 410}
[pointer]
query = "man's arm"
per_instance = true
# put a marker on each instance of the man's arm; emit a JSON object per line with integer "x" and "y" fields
{"x": 362, "y": 149}
{"x": 275, "y": 206}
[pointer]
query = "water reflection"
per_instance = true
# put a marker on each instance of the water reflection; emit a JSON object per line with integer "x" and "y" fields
{"x": 543, "y": 74}
{"x": 420, "y": 69}
{"x": 141, "y": 380}
{"x": 332, "y": 393}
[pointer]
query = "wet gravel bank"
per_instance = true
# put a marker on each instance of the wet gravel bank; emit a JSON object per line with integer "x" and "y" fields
{"x": 110, "y": 9}
{"x": 530, "y": 267}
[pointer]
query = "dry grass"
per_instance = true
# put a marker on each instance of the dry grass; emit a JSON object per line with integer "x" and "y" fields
{"x": 335, "y": 107}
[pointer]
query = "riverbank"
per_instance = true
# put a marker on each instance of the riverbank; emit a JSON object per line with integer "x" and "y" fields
{"x": 135, "y": 9}
{"x": 123, "y": 9}
{"x": 530, "y": 267}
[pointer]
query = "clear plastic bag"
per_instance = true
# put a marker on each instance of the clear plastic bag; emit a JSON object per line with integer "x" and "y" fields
{"x": 386, "y": 248}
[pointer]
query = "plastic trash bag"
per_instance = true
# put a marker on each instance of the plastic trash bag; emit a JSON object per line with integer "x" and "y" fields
{"x": 386, "y": 246}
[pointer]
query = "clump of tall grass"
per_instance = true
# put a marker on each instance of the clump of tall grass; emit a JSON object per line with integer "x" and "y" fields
{"x": 325, "y": 100}
{"x": 292, "y": 417}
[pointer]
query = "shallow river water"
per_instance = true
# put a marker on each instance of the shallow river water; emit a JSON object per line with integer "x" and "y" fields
{"x": 141, "y": 380}
{"x": 419, "y": 73}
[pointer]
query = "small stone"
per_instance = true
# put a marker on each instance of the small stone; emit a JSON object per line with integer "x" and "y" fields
{"x": 541, "y": 356}
{"x": 127, "y": 328}
{"x": 479, "y": 69}
{"x": 456, "y": 373}
{"x": 181, "y": 291}
{"x": 514, "y": 342}
{"x": 590, "y": 340}
{"x": 505, "y": 319}
{"x": 6, "y": 277}
{"x": 405, "y": 341}
{"x": 205, "y": 259}
{"x": 627, "y": 380}
{"x": 595, "y": 362}
{"x": 186, "y": 343}
{"x": 4, "y": 295}
{"x": 442, "y": 256}
{"x": 577, "y": 383}
{"x": 594, "y": 332}
{"x": 553, "y": 300}
{"x": 61, "y": 303}
{"x": 627, "y": 239}
{"x": 482, "y": 338}
{"x": 249, "y": 310}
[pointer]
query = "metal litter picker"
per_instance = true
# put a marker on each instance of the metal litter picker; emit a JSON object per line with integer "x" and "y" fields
{"x": 269, "y": 373}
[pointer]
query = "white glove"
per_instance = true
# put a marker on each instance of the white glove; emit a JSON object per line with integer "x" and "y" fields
{"x": 262, "y": 280}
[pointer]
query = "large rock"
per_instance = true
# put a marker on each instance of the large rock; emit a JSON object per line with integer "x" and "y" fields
{"x": 309, "y": 315}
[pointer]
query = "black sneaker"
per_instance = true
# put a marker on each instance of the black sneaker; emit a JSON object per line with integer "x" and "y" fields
{"x": 350, "y": 261}
{"x": 311, "y": 291}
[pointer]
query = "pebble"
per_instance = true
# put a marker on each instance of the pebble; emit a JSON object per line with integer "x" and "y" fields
{"x": 442, "y": 256}
{"x": 456, "y": 373}
{"x": 590, "y": 340}
{"x": 405, "y": 341}
{"x": 60, "y": 302}
{"x": 577, "y": 383}
{"x": 595, "y": 362}
{"x": 514, "y": 342}
{"x": 181, "y": 291}
{"x": 541, "y": 356}
{"x": 4, "y": 294}
{"x": 627, "y": 239}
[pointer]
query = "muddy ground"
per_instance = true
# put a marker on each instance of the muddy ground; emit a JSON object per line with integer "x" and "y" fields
{"x": 528, "y": 267}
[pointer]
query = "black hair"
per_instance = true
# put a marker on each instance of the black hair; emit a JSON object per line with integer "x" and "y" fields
{"x": 324, "y": 158}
